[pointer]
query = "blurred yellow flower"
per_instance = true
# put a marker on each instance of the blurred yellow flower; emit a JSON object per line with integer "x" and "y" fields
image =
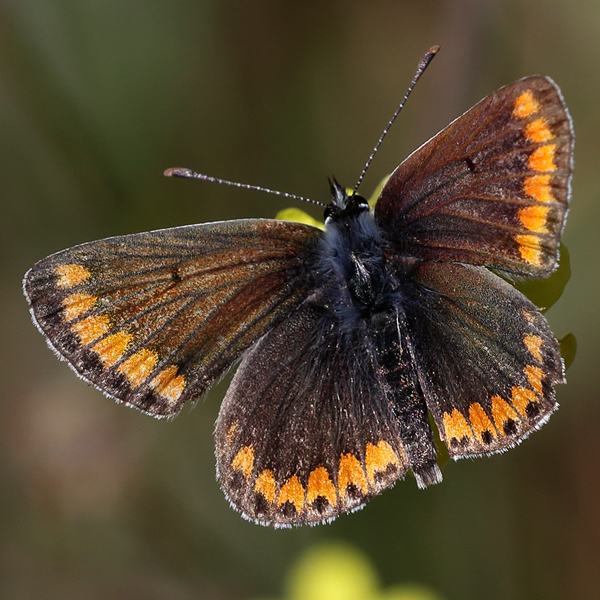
{"x": 338, "y": 571}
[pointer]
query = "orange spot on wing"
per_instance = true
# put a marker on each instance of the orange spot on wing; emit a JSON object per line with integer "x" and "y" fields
{"x": 530, "y": 249}
{"x": 71, "y": 275}
{"x": 529, "y": 316}
{"x": 538, "y": 187}
{"x": 168, "y": 384}
{"x": 534, "y": 376}
{"x": 534, "y": 218}
{"x": 292, "y": 491}
{"x": 265, "y": 484}
{"x": 244, "y": 461}
{"x": 78, "y": 304}
{"x": 456, "y": 426}
{"x": 319, "y": 484}
{"x": 533, "y": 343}
{"x": 480, "y": 422}
{"x": 521, "y": 397}
{"x": 525, "y": 105}
{"x": 542, "y": 158}
{"x": 139, "y": 366}
{"x": 378, "y": 458}
{"x": 351, "y": 473}
{"x": 538, "y": 131}
{"x": 91, "y": 328}
{"x": 112, "y": 347}
{"x": 502, "y": 411}
{"x": 229, "y": 436}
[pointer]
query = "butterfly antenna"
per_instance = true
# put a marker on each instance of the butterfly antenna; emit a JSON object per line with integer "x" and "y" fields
{"x": 423, "y": 64}
{"x": 189, "y": 174}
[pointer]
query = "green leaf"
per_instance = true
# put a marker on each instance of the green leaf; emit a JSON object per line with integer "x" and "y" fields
{"x": 545, "y": 292}
{"x": 568, "y": 349}
{"x": 376, "y": 193}
{"x": 297, "y": 215}
{"x": 443, "y": 456}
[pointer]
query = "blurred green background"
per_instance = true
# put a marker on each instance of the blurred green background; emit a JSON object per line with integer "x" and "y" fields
{"x": 97, "y": 98}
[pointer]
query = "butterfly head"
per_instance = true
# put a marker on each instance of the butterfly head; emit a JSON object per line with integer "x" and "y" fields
{"x": 342, "y": 205}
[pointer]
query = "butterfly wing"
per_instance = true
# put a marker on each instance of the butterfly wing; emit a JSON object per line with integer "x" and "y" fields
{"x": 492, "y": 188}
{"x": 306, "y": 430}
{"x": 487, "y": 359}
{"x": 153, "y": 319}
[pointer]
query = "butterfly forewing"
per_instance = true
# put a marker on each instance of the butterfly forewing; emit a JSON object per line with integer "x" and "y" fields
{"x": 492, "y": 188}
{"x": 154, "y": 319}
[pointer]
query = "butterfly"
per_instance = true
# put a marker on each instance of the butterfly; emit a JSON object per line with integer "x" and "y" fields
{"x": 347, "y": 338}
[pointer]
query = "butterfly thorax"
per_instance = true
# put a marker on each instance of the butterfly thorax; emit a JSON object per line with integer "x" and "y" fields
{"x": 353, "y": 256}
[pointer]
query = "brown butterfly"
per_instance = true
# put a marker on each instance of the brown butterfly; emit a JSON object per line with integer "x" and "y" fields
{"x": 347, "y": 337}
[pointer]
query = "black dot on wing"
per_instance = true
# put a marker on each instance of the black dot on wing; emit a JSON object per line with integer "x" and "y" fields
{"x": 390, "y": 471}
{"x": 287, "y": 509}
{"x": 379, "y": 476}
{"x": 532, "y": 409}
{"x": 487, "y": 437}
{"x": 320, "y": 504}
{"x": 152, "y": 403}
{"x": 464, "y": 442}
{"x": 510, "y": 427}
{"x": 353, "y": 492}
{"x": 261, "y": 506}
{"x": 470, "y": 164}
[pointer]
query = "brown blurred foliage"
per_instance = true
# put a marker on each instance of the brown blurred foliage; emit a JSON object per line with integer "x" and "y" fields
{"x": 96, "y": 100}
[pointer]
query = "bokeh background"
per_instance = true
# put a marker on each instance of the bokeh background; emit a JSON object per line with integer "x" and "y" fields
{"x": 97, "y": 98}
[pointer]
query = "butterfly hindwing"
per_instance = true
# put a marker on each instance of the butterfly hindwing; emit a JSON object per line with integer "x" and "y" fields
{"x": 306, "y": 431}
{"x": 490, "y": 189}
{"x": 153, "y": 319}
{"x": 487, "y": 359}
